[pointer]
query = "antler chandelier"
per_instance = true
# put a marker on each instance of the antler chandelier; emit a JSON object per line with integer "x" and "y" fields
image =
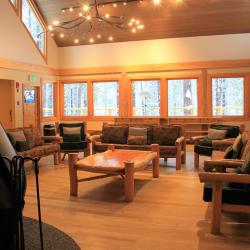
{"x": 88, "y": 16}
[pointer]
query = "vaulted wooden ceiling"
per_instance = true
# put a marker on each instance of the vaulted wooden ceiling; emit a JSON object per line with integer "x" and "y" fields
{"x": 170, "y": 18}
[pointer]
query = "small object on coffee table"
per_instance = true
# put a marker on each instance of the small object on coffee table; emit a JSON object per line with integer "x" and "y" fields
{"x": 114, "y": 162}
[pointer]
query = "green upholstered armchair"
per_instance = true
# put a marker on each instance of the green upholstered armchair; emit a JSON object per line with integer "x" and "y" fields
{"x": 74, "y": 137}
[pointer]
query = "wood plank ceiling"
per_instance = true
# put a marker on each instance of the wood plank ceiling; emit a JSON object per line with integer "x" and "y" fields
{"x": 171, "y": 18}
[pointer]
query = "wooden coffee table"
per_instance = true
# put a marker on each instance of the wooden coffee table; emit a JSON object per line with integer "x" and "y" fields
{"x": 114, "y": 162}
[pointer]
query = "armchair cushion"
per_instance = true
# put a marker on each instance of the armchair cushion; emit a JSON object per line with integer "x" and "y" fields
{"x": 137, "y": 140}
{"x": 166, "y": 136}
{"x": 71, "y": 137}
{"x": 229, "y": 153}
{"x": 73, "y": 145}
{"x": 73, "y": 129}
{"x": 217, "y": 134}
{"x": 232, "y": 131}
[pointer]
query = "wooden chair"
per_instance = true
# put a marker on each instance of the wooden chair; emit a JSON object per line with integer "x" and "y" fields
{"x": 224, "y": 187}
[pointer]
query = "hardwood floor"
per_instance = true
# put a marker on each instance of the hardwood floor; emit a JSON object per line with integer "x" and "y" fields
{"x": 167, "y": 213}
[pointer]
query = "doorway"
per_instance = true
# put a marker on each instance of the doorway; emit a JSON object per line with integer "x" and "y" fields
{"x": 31, "y": 106}
{"x": 6, "y": 108}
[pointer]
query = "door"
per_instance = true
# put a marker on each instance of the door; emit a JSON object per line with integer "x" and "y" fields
{"x": 31, "y": 106}
{"x": 6, "y": 103}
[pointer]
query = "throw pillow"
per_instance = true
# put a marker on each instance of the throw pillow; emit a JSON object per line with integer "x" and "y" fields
{"x": 237, "y": 145}
{"x": 16, "y": 136}
{"x": 114, "y": 134}
{"x": 137, "y": 140}
{"x": 37, "y": 136}
{"x": 245, "y": 168}
{"x": 22, "y": 146}
{"x": 216, "y": 134}
{"x": 164, "y": 135}
{"x": 137, "y": 131}
{"x": 71, "y": 137}
{"x": 71, "y": 130}
{"x": 29, "y": 136}
{"x": 229, "y": 153}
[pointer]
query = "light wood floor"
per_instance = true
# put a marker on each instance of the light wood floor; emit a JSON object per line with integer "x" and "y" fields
{"x": 167, "y": 213}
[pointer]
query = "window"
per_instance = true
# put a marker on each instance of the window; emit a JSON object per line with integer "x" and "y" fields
{"x": 48, "y": 99}
{"x": 33, "y": 24}
{"x": 106, "y": 98}
{"x": 228, "y": 96}
{"x": 75, "y": 99}
{"x": 146, "y": 98}
{"x": 182, "y": 97}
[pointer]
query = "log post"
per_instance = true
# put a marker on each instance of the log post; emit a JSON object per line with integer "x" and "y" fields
{"x": 155, "y": 161}
{"x": 196, "y": 160}
{"x": 111, "y": 147}
{"x": 73, "y": 174}
{"x": 216, "y": 208}
{"x": 129, "y": 180}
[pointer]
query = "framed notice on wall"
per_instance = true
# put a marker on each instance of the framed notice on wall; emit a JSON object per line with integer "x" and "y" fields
{"x": 29, "y": 96}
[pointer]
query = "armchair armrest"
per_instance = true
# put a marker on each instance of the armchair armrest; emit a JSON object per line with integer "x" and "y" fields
{"x": 221, "y": 165}
{"x": 179, "y": 140}
{"x": 56, "y": 139}
{"x": 224, "y": 177}
{"x": 94, "y": 138}
{"x": 222, "y": 144}
{"x": 197, "y": 138}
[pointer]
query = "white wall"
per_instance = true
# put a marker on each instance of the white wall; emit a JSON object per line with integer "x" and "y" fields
{"x": 16, "y": 44}
{"x": 173, "y": 50}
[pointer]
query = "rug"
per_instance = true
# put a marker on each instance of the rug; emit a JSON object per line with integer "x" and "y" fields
{"x": 53, "y": 238}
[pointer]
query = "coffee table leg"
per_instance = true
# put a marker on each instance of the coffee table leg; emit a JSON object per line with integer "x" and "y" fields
{"x": 73, "y": 174}
{"x": 155, "y": 161}
{"x": 129, "y": 181}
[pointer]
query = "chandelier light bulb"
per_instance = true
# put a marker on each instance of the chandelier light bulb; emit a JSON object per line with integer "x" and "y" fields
{"x": 50, "y": 27}
{"x": 76, "y": 41}
{"x": 156, "y": 1}
{"x": 99, "y": 36}
{"x": 132, "y": 20}
{"x": 91, "y": 40}
{"x": 80, "y": 14}
{"x": 137, "y": 21}
{"x": 88, "y": 17}
{"x": 115, "y": 5}
{"x": 107, "y": 15}
{"x": 133, "y": 30}
{"x": 52, "y": 34}
{"x": 140, "y": 27}
{"x": 85, "y": 7}
{"x": 130, "y": 24}
{"x": 55, "y": 22}
{"x": 62, "y": 35}
{"x": 63, "y": 11}
{"x": 110, "y": 38}
{"x": 124, "y": 3}
{"x": 71, "y": 9}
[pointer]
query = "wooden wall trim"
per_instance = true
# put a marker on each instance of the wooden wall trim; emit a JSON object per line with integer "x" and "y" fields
{"x": 15, "y": 65}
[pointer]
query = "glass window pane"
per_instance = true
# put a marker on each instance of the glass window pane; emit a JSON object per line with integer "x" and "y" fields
{"x": 75, "y": 99}
{"x": 146, "y": 98}
{"x": 33, "y": 25}
{"x": 48, "y": 99}
{"x": 106, "y": 98}
{"x": 228, "y": 96}
{"x": 182, "y": 97}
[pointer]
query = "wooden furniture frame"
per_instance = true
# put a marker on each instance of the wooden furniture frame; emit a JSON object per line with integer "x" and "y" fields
{"x": 217, "y": 207}
{"x": 114, "y": 162}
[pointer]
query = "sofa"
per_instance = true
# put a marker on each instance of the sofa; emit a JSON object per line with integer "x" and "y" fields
{"x": 140, "y": 137}
{"x": 28, "y": 142}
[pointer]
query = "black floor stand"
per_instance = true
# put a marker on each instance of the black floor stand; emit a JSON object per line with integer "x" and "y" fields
{"x": 17, "y": 192}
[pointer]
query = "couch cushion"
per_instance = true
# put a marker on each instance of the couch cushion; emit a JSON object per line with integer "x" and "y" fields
{"x": 203, "y": 150}
{"x": 17, "y": 135}
{"x": 137, "y": 140}
{"x": 229, "y": 153}
{"x": 33, "y": 136}
{"x": 40, "y": 151}
{"x": 73, "y": 145}
{"x": 216, "y": 134}
{"x": 22, "y": 146}
{"x": 82, "y": 125}
{"x": 116, "y": 134}
{"x": 72, "y": 137}
{"x": 165, "y": 135}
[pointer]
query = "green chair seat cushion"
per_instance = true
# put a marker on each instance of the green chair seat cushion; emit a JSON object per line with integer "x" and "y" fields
{"x": 72, "y": 137}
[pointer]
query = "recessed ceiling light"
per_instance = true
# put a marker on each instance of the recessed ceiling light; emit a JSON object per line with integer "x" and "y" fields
{"x": 124, "y": 3}
{"x": 55, "y": 22}
{"x": 99, "y": 36}
{"x": 107, "y": 15}
{"x": 110, "y": 38}
{"x": 91, "y": 40}
{"x": 157, "y": 1}
{"x": 115, "y": 5}
{"x": 76, "y": 40}
{"x": 62, "y": 35}
{"x": 71, "y": 9}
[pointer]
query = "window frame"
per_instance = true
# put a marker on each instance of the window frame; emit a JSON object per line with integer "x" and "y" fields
{"x": 73, "y": 118}
{"x": 130, "y": 91}
{"x": 199, "y": 95}
{"x": 210, "y": 92}
{"x": 42, "y": 23}
{"x": 95, "y": 117}
{"x": 56, "y": 99}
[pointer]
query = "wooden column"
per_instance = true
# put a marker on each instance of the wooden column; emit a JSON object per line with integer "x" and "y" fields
{"x": 216, "y": 208}
{"x": 156, "y": 168}
{"x": 178, "y": 157}
{"x": 56, "y": 158}
{"x": 129, "y": 180}
{"x": 111, "y": 147}
{"x": 73, "y": 174}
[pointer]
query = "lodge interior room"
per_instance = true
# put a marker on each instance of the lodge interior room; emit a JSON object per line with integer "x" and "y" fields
{"x": 152, "y": 94}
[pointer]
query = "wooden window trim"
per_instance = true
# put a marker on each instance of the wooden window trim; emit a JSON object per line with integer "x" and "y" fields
{"x": 130, "y": 95}
{"x": 16, "y": 7}
{"x": 245, "y": 95}
{"x": 56, "y": 101}
{"x": 42, "y": 23}
{"x": 199, "y": 95}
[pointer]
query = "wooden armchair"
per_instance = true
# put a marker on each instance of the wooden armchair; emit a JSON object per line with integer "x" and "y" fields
{"x": 227, "y": 191}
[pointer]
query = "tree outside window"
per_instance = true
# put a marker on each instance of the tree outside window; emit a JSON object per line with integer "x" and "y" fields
{"x": 106, "y": 98}
{"x": 75, "y": 99}
{"x": 48, "y": 99}
{"x": 146, "y": 97}
{"x": 182, "y": 97}
{"x": 33, "y": 24}
{"x": 228, "y": 96}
